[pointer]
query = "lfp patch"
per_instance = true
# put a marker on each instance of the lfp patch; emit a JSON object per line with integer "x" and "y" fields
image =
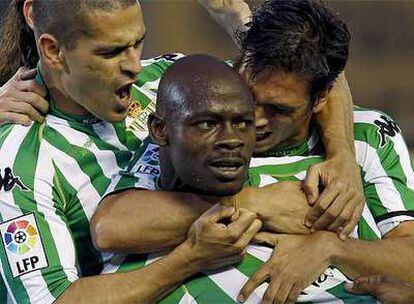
{"x": 23, "y": 245}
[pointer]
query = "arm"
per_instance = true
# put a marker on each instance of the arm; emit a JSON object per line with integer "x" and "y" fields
{"x": 210, "y": 245}
{"x": 340, "y": 204}
{"x": 361, "y": 258}
{"x": 154, "y": 229}
{"x": 22, "y": 99}
{"x": 299, "y": 260}
{"x": 232, "y": 15}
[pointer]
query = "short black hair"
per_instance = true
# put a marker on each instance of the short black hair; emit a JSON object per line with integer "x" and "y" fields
{"x": 299, "y": 36}
{"x": 65, "y": 19}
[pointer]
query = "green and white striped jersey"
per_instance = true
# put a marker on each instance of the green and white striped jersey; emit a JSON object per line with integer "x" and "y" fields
{"x": 52, "y": 178}
{"x": 388, "y": 180}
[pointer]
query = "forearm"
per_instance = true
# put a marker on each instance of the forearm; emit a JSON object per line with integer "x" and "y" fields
{"x": 393, "y": 257}
{"x": 336, "y": 120}
{"x": 144, "y": 221}
{"x": 145, "y": 285}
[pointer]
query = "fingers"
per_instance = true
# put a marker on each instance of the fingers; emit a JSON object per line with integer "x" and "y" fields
{"x": 31, "y": 92}
{"x": 15, "y": 118}
{"x": 248, "y": 235}
{"x": 325, "y": 200}
{"x": 356, "y": 215}
{"x": 241, "y": 222}
{"x": 267, "y": 238}
{"x": 364, "y": 285}
{"x": 24, "y": 74}
{"x": 218, "y": 213}
{"x": 311, "y": 185}
{"x": 255, "y": 281}
{"x": 333, "y": 215}
{"x": 26, "y": 109}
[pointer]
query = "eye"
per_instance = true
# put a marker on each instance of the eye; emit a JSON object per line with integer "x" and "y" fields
{"x": 243, "y": 124}
{"x": 111, "y": 54}
{"x": 206, "y": 125}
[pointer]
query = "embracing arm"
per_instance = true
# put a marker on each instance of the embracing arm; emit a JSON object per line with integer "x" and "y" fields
{"x": 340, "y": 204}
{"x": 140, "y": 286}
{"x": 159, "y": 220}
{"x": 391, "y": 256}
{"x": 209, "y": 245}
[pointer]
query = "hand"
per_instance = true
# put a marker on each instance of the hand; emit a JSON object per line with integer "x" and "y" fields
{"x": 22, "y": 99}
{"x": 339, "y": 206}
{"x": 214, "y": 244}
{"x": 281, "y": 206}
{"x": 296, "y": 262}
{"x": 232, "y": 15}
{"x": 387, "y": 290}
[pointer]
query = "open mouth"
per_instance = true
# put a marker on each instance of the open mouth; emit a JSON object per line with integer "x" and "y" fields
{"x": 124, "y": 92}
{"x": 227, "y": 164}
{"x": 227, "y": 169}
{"x": 262, "y": 135}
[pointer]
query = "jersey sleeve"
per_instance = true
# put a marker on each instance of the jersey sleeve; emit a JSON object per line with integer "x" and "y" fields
{"x": 386, "y": 169}
{"x": 37, "y": 256}
{"x": 142, "y": 172}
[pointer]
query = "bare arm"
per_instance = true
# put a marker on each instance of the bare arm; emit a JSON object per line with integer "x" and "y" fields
{"x": 339, "y": 206}
{"x": 390, "y": 256}
{"x": 210, "y": 245}
{"x": 232, "y": 15}
{"x": 139, "y": 286}
{"x": 163, "y": 227}
{"x": 299, "y": 260}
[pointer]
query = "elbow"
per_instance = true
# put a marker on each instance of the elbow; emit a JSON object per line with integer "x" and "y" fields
{"x": 102, "y": 234}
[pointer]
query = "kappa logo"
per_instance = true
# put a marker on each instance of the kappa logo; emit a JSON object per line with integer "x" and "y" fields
{"x": 23, "y": 245}
{"x": 387, "y": 127}
{"x": 8, "y": 181}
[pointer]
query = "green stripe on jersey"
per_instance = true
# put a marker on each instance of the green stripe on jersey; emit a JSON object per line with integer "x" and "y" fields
{"x": 23, "y": 163}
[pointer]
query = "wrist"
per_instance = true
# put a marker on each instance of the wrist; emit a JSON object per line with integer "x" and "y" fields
{"x": 249, "y": 198}
{"x": 336, "y": 248}
{"x": 188, "y": 257}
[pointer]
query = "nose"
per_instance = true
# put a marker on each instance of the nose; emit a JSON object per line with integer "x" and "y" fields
{"x": 131, "y": 65}
{"x": 229, "y": 138}
{"x": 261, "y": 119}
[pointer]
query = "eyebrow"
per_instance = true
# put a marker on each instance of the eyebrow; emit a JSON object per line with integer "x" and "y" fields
{"x": 115, "y": 47}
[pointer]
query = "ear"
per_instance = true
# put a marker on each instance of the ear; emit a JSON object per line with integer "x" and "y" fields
{"x": 51, "y": 51}
{"x": 28, "y": 13}
{"x": 320, "y": 102}
{"x": 157, "y": 129}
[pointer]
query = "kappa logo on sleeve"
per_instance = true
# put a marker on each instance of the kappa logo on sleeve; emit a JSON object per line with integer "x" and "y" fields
{"x": 23, "y": 245}
{"x": 386, "y": 128}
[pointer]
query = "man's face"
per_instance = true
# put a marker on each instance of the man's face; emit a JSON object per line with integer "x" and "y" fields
{"x": 98, "y": 73}
{"x": 283, "y": 110}
{"x": 212, "y": 140}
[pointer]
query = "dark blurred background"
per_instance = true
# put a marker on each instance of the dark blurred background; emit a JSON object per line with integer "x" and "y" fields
{"x": 381, "y": 65}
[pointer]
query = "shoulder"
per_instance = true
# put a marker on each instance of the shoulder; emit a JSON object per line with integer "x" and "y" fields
{"x": 375, "y": 128}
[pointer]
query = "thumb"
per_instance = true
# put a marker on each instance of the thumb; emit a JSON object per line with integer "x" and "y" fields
{"x": 271, "y": 239}
{"x": 311, "y": 185}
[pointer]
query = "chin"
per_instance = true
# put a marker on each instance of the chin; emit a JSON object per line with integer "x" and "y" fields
{"x": 114, "y": 117}
{"x": 225, "y": 190}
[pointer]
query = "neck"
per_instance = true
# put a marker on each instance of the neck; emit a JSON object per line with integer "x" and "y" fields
{"x": 61, "y": 101}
